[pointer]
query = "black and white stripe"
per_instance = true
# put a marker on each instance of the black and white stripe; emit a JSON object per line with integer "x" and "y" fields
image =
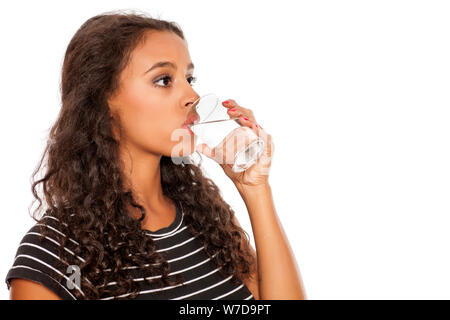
{"x": 184, "y": 253}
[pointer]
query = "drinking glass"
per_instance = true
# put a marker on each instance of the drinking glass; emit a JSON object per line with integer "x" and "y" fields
{"x": 231, "y": 142}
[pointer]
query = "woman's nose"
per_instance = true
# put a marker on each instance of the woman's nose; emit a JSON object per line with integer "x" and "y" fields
{"x": 192, "y": 101}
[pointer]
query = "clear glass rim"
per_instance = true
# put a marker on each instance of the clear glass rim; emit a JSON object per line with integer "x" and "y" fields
{"x": 196, "y": 102}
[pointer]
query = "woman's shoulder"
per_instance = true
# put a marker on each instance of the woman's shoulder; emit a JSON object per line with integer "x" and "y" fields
{"x": 37, "y": 258}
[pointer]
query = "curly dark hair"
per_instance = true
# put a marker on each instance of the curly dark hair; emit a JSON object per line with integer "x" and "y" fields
{"x": 83, "y": 184}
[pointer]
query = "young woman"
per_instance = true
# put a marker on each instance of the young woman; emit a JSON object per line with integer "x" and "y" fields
{"x": 121, "y": 219}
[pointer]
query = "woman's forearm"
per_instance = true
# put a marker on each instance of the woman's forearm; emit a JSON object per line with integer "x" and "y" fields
{"x": 279, "y": 277}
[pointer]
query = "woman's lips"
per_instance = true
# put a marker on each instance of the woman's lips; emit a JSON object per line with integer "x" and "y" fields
{"x": 193, "y": 118}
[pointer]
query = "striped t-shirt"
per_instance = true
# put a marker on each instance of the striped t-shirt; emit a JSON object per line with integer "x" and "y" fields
{"x": 36, "y": 261}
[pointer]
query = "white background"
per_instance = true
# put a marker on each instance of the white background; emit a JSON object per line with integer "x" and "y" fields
{"x": 354, "y": 93}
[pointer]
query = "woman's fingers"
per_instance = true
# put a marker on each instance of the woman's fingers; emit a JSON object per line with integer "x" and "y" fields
{"x": 246, "y": 122}
{"x": 233, "y": 109}
{"x": 245, "y": 116}
{"x": 236, "y": 110}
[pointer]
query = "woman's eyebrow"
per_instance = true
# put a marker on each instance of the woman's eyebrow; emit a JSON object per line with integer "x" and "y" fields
{"x": 168, "y": 64}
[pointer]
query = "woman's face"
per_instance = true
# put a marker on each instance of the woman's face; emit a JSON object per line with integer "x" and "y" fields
{"x": 152, "y": 101}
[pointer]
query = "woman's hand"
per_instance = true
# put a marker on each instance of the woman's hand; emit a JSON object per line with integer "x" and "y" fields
{"x": 257, "y": 174}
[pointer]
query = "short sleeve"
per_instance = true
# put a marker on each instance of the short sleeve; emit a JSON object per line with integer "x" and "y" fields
{"x": 39, "y": 261}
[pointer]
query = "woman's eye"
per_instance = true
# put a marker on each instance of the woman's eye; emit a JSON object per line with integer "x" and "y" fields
{"x": 193, "y": 79}
{"x": 168, "y": 78}
{"x": 161, "y": 79}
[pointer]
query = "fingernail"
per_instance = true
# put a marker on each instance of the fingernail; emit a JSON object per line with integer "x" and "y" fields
{"x": 226, "y": 102}
{"x": 245, "y": 118}
{"x": 234, "y": 109}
